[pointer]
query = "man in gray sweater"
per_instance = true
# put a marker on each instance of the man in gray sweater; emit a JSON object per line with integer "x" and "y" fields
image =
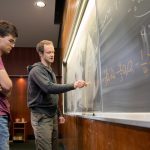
{"x": 43, "y": 93}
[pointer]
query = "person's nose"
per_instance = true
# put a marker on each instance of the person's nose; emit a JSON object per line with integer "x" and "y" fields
{"x": 13, "y": 45}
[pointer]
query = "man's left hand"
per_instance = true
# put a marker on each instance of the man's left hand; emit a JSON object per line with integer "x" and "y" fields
{"x": 61, "y": 120}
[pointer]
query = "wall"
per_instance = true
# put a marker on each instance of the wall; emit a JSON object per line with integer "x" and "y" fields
{"x": 15, "y": 64}
{"x": 20, "y": 57}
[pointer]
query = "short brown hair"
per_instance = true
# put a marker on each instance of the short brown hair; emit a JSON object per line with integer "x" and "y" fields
{"x": 7, "y": 28}
{"x": 40, "y": 45}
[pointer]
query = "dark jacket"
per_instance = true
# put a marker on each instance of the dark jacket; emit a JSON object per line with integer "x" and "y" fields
{"x": 43, "y": 89}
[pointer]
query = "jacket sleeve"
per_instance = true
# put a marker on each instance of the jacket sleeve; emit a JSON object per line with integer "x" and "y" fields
{"x": 40, "y": 77}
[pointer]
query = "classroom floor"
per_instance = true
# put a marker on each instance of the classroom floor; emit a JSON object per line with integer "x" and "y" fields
{"x": 28, "y": 145}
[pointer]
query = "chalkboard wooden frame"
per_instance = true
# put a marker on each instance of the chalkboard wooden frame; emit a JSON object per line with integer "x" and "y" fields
{"x": 75, "y": 27}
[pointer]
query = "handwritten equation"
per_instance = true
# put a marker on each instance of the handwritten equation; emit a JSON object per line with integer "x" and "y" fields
{"x": 123, "y": 71}
{"x": 107, "y": 19}
{"x": 138, "y": 8}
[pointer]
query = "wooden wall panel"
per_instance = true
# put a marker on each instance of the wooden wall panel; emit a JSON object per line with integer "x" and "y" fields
{"x": 17, "y": 61}
{"x": 18, "y": 103}
{"x": 98, "y": 135}
{"x": 15, "y": 64}
{"x": 71, "y": 134}
{"x": 71, "y": 7}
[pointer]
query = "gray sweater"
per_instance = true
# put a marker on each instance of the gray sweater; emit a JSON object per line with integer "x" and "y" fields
{"x": 43, "y": 90}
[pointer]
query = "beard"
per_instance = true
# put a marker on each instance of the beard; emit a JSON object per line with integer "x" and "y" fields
{"x": 49, "y": 61}
{"x": 7, "y": 50}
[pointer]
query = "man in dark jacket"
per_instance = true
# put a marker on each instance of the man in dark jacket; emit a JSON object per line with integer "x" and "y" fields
{"x": 43, "y": 93}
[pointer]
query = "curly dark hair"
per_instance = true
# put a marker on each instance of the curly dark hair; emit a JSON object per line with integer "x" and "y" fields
{"x": 7, "y": 28}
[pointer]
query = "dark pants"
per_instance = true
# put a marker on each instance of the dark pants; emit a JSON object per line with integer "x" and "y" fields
{"x": 45, "y": 131}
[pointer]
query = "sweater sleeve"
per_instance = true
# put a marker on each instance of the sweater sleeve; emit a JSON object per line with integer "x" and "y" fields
{"x": 40, "y": 77}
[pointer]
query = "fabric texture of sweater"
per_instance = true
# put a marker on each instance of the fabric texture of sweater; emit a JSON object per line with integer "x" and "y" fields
{"x": 43, "y": 90}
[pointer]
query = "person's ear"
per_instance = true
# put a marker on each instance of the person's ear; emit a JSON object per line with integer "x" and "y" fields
{"x": 40, "y": 54}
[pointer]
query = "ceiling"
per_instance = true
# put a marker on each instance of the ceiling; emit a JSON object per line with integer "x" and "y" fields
{"x": 33, "y": 23}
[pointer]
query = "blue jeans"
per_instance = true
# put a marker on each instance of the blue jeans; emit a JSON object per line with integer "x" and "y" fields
{"x": 4, "y": 133}
{"x": 45, "y": 131}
